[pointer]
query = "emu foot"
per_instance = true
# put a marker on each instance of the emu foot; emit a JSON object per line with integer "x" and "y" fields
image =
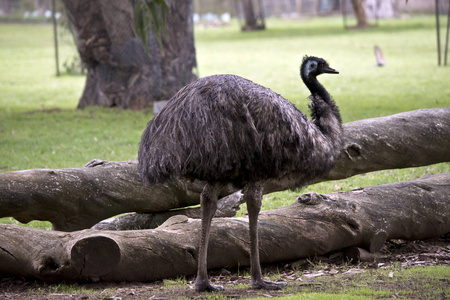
{"x": 268, "y": 285}
{"x": 207, "y": 287}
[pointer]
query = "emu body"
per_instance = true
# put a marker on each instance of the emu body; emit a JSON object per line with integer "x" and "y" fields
{"x": 226, "y": 129}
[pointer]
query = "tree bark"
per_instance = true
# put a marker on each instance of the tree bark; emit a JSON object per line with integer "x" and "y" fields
{"x": 120, "y": 72}
{"x": 74, "y": 199}
{"x": 314, "y": 225}
{"x": 175, "y": 64}
{"x": 360, "y": 14}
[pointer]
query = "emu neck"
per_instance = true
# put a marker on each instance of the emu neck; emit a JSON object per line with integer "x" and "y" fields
{"x": 316, "y": 88}
{"x": 324, "y": 112}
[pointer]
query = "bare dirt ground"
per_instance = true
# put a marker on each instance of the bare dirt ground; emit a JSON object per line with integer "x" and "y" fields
{"x": 302, "y": 276}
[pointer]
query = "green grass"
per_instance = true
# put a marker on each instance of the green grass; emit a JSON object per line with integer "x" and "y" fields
{"x": 40, "y": 127}
{"x": 68, "y": 138}
{"x": 393, "y": 282}
{"x": 411, "y": 79}
{"x": 66, "y": 288}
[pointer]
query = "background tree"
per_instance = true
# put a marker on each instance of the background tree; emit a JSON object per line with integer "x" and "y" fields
{"x": 252, "y": 20}
{"x": 120, "y": 72}
{"x": 360, "y": 14}
{"x": 4, "y": 7}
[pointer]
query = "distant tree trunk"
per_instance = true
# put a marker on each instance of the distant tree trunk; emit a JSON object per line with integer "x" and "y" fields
{"x": 40, "y": 6}
{"x": 251, "y": 19}
{"x": 360, "y": 14}
{"x": 120, "y": 73}
{"x": 298, "y": 6}
{"x": 4, "y": 7}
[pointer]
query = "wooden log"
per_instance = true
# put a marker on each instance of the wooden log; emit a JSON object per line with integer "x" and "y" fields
{"x": 226, "y": 207}
{"x": 78, "y": 198}
{"x": 410, "y": 139}
{"x": 314, "y": 225}
{"x": 74, "y": 199}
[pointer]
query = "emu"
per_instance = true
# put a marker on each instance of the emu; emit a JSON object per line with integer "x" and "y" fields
{"x": 226, "y": 129}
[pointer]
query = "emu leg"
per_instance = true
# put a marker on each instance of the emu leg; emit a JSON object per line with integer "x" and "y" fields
{"x": 208, "y": 203}
{"x": 253, "y": 197}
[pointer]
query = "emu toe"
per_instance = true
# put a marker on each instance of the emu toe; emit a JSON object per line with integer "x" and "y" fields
{"x": 268, "y": 285}
{"x": 205, "y": 286}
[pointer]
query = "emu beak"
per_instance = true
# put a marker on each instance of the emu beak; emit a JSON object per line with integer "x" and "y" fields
{"x": 330, "y": 70}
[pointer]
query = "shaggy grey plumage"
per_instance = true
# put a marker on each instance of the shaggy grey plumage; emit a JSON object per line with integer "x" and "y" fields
{"x": 226, "y": 129}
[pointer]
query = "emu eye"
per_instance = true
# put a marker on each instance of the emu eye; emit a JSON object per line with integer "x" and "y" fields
{"x": 312, "y": 65}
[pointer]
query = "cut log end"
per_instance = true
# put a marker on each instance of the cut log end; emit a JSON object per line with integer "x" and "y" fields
{"x": 95, "y": 256}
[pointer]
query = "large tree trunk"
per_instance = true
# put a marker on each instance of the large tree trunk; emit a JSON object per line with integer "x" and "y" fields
{"x": 73, "y": 199}
{"x": 120, "y": 73}
{"x": 314, "y": 225}
{"x": 360, "y": 14}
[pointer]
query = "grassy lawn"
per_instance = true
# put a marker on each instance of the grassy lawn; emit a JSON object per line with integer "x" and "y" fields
{"x": 40, "y": 127}
{"x": 393, "y": 282}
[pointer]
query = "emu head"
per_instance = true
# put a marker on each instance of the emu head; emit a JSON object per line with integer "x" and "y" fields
{"x": 313, "y": 66}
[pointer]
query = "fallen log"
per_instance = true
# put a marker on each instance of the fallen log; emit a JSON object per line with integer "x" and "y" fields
{"x": 74, "y": 199}
{"x": 78, "y": 198}
{"x": 411, "y": 139}
{"x": 314, "y": 225}
{"x": 226, "y": 207}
